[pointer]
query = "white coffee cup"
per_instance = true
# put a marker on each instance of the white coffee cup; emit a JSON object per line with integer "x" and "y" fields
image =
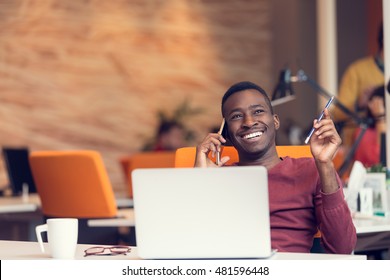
{"x": 62, "y": 237}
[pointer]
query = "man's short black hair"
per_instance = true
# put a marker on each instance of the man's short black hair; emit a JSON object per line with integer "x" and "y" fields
{"x": 245, "y": 85}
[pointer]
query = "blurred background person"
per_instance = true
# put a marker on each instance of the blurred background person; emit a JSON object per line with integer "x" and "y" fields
{"x": 171, "y": 132}
{"x": 170, "y": 136}
{"x": 368, "y": 151}
{"x": 356, "y": 87}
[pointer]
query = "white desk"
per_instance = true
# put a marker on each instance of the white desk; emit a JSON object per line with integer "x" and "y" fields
{"x": 16, "y": 204}
{"x": 373, "y": 233}
{"x": 19, "y": 250}
{"x": 18, "y": 218}
{"x": 371, "y": 224}
{"x": 124, "y": 202}
{"x": 363, "y": 225}
{"x": 125, "y": 219}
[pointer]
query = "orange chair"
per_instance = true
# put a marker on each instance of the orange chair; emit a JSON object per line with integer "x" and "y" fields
{"x": 75, "y": 184}
{"x": 185, "y": 157}
{"x": 292, "y": 151}
{"x": 145, "y": 160}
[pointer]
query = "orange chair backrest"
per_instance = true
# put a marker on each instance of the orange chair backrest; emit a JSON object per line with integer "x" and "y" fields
{"x": 73, "y": 184}
{"x": 161, "y": 159}
{"x": 294, "y": 151}
{"x": 185, "y": 157}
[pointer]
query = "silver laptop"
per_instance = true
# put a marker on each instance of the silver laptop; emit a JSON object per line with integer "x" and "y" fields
{"x": 201, "y": 213}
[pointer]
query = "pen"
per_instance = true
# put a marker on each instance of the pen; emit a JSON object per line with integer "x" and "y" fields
{"x": 319, "y": 119}
{"x": 220, "y": 132}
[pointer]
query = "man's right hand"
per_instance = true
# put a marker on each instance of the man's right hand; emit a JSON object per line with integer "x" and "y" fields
{"x": 212, "y": 143}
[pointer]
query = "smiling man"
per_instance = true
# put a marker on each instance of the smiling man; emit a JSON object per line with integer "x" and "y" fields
{"x": 305, "y": 194}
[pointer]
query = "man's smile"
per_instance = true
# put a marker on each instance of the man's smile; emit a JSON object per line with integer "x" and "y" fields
{"x": 252, "y": 135}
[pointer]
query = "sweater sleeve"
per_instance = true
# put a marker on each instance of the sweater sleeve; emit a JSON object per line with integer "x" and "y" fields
{"x": 338, "y": 233}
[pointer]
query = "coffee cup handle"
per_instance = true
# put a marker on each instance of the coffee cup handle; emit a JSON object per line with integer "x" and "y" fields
{"x": 38, "y": 230}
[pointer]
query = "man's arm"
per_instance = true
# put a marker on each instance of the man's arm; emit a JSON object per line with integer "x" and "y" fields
{"x": 338, "y": 231}
{"x": 324, "y": 145}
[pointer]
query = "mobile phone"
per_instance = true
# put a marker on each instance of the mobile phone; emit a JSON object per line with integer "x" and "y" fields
{"x": 218, "y": 159}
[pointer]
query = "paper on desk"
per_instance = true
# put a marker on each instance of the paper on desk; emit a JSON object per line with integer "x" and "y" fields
{"x": 366, "y": 201}
{"x": 355, "y": 184}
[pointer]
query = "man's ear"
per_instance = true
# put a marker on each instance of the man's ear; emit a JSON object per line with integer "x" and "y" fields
{"x": 276, "y": 121}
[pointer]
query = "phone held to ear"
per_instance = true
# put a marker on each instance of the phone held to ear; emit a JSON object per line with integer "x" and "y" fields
{"x": 218, "y": 159}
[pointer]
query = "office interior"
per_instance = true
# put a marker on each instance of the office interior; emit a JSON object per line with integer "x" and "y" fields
{"x": 96, "y": 75}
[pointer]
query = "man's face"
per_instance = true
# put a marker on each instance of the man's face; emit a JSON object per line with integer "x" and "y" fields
{"x": 251, "y": 125}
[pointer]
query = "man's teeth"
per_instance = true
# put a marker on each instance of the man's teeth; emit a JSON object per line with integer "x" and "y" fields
{"x": 253, "y": 135}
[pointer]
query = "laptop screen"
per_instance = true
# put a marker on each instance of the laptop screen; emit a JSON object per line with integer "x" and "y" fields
{"x": 190, "y": 213}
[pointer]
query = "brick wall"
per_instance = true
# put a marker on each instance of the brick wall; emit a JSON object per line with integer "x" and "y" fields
{"x": 94, "y": 74}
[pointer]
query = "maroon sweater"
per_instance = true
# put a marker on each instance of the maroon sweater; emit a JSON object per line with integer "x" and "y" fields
{"x": 298, "y": 208}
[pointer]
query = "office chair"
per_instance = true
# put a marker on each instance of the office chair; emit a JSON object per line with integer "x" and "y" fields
{"x": 75, "y": 184}
{"x": 145, "y": 160}
{"x": 185, "y": 157}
